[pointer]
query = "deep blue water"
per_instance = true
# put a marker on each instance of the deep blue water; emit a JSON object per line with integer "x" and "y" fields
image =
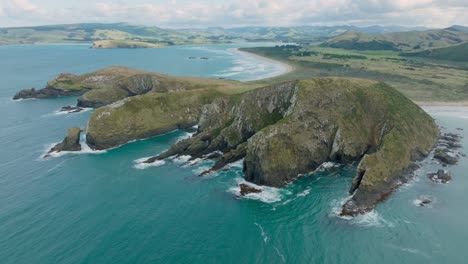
{"x": 100, "y": 208}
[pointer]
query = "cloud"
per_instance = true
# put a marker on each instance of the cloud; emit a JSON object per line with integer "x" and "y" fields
{"x": 174, "y": 13}
{"x": 19, "y": 9}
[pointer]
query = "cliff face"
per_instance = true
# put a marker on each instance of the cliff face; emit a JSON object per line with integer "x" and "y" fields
{"x": 144, "y": 116}
{"x": 283, "y": 131}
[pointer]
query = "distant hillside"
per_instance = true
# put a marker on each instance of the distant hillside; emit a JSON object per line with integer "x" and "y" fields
{"x": 123, "y": 32}
{"x": 452, "y": 53}
{"x": 405, "y": 41}
{"x": 76, "y": 33}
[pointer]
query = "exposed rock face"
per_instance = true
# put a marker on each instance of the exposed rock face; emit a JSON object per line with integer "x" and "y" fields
{"x": 71, "y": 141}
{"x": 441, "y": 176}
{"x": 246, "y": 189}
{"x": 145, "y": 116}
{"x": 285, "y": 130}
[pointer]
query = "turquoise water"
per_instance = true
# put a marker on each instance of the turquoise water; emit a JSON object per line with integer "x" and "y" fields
{"x": 100, "y": 208}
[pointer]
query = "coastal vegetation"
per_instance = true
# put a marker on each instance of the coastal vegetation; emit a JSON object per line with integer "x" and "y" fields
{"x": 418, "y": 77}
{"x": 405, "y": 41}
{"x": 282, "y": 130}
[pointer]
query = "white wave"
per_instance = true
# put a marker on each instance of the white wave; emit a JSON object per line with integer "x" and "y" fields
{"x": 267, "y": 194}
{"x": 56, "y": 166}
{"x": 417, "y": 202}
{"x": 60, "y": 113}
{"x": 410, "y": 250}
{"x": 304, "y": 193}
{"x": 327, "y": 165}
{"x": 181, "y": 159}
{"x": 201, "y": 169}
{"x": 280, "y": 254}
{"x": 22, "y": 99}
{"x": 85, "y": 149}
{"x": 369, "y": 219}
{"x": 186, "y": 135}
{"x": 141, "y": 165}
{"x": 262, "y": 232}
{"x": 236, "y": 165}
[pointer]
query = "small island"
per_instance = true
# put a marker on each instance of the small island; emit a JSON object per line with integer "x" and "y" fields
{"x": 281, "y": 130}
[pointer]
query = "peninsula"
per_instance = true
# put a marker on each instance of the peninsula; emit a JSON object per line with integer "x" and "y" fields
{"x": 281, "y": 130}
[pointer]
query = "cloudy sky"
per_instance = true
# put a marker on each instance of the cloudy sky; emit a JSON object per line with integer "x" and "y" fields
{"x": 229, "y": 13}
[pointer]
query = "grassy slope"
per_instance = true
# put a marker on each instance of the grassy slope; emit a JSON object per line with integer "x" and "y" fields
{"x": 412, "y": 40}
{"x": 452, "y": 53}
{"x": 418, "y": 78}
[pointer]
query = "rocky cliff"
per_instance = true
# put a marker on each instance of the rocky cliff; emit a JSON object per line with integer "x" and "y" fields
{"x": 285, "y": 130}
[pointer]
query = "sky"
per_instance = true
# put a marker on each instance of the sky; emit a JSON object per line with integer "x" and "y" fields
{"x": 231, "y": 13}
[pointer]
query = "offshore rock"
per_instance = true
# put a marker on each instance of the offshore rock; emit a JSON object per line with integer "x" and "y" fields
{"x": 246, "y": 189}
{"x": 441, "y": 176}
{"x": 70, "y": 143}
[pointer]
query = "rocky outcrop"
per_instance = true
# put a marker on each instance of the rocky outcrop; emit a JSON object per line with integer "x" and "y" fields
{"x": 441, "y": 176}
{"x": 47, "y": 92}
{"x": 424, "y": 202}
{"x": 70, "y": 143}
{"x": 446, "y": 152}
{"x": 71, "y": 109}
{"x": 109, "y": 85}
{"x": 246, "y": 189}
{"x": 284, "y": 130}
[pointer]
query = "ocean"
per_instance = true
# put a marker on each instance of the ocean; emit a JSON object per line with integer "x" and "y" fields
{"x": 103, "y": 207}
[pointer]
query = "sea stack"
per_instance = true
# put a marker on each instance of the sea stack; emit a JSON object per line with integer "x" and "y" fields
{"x": 70, "y": 143}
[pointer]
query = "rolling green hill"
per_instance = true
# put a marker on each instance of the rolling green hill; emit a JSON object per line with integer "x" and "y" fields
{"x": 125, "y": 35}
{"x": 452, "y": 53}
{"x": 87, "y": 33}
{"x": 405, "y": 41}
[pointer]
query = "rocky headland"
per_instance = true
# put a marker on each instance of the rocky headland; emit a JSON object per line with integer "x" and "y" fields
{"x": 112, "y": 84}
{"x": 281, "y": 131}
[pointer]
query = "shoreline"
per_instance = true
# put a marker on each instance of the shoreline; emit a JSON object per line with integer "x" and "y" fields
{"x": 284, "y": 67}
{"x": 442, "y": 103}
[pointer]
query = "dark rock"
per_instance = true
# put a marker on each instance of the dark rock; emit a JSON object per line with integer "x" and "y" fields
{"x": 70, "y": 143}
{"x": 25, "y": 94}
{"x": 441, "y": 176}
{"x": 47, "y": 92}
{"x": 71, "y": 109}
{"x": 246, "y": 189}
{"x": 229, "y": 157}
{"x": 443, "y": 155}
{"x": 424, "y": 202}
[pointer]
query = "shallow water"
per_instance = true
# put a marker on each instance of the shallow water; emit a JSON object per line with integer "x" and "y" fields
{"x": 100, "y": 208}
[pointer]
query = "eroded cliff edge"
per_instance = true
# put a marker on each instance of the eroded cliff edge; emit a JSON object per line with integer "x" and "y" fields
{"x": 285, "y": 130}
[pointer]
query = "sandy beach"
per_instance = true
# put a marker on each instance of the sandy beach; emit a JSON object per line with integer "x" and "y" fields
{"x": 285, "y": 68}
